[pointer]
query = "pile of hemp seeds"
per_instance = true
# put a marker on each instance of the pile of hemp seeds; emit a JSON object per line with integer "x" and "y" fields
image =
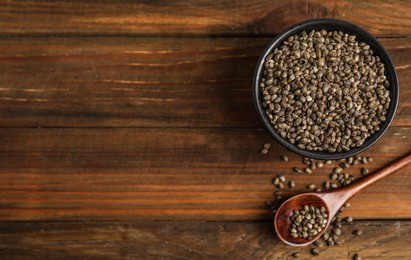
{"x": 337, "y": 177}
{"x": 325, "y": 91}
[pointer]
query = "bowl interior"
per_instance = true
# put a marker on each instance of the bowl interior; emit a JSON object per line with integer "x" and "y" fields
{"x": 362, "y": 36}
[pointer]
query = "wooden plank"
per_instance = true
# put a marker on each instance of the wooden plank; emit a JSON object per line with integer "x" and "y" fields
{"x": 110, "y": 17}
{"x": 143, "y": 82}
{"x": 170, "y": 174}
{"x": 208, "y": 240}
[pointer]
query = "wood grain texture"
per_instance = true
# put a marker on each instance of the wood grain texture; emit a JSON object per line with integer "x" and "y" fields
{"x": 117, "y": 115}
{"x": 208, "y": 240}
{"x": 143, "y": 82}
{"x": 112, "y": 17}
{"x": 169, "y": 174}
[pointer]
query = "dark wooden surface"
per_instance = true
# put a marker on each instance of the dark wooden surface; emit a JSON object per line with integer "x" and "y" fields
{"x": 179, "y": 17}
{"x": 187, "y": 240}
{"x": 127, "y": 130}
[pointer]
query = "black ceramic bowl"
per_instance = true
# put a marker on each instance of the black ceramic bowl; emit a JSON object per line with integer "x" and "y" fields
{"x": 362, "y": 36}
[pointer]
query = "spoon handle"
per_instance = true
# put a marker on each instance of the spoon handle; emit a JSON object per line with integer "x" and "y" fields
{"x": 340, "y": 196}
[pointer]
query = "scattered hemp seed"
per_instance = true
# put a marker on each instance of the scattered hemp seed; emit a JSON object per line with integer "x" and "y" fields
{"x": 284, "y": 158}
{"x": 364, "y": 171}
{"x": 310, "y": 186}
{"x": 297, "y": 170}
{"x": 337, "y": 231}
{"x": 267, "y": 145}
{"x": 356, "y": 257}
{"x": 295, "y": 255}
{"x": 349, "y": 219}
{"x": 264, "y": 151}
{"x": 313, "y": 166}
{"x": 319, "y": 243}
{"x": 345, "y": 165}
{"x": 328, "y": 162}
{"x": 291, "y": 184}
{"x": 266, "y": 148}
{"x": 357, "y": 232}
{"x": 306, "y": 160}
{"x": 308, "y": 170}
{"x": 350, "y": 160}
{"x": 334, "y": 185}
{"x": 364, "y": 160}
{"x": 315, "y": 251}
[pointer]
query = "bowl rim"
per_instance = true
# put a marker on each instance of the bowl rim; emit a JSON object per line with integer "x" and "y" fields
{"x": 378, "y": 49}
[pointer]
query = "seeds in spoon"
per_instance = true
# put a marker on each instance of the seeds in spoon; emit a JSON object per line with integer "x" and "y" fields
{"x": 308, "y": 221}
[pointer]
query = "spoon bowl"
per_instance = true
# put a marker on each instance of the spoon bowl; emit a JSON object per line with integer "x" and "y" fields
{"x": 331, "y": 200}
{"x": 282, "y": 220}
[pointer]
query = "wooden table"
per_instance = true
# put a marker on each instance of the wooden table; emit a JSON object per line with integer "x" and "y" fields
{"x": 128, "y": 131}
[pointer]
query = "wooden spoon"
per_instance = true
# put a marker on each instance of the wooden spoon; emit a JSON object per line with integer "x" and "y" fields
{"x": 332, "y": 201}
